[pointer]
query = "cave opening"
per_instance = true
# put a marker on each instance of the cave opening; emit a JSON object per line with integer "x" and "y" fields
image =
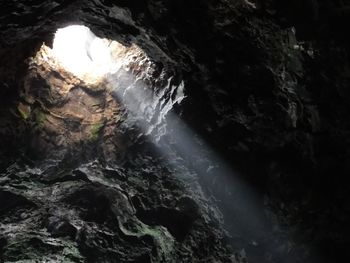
{"x": 174, "y": 131}
{"x": 82, "y": 53}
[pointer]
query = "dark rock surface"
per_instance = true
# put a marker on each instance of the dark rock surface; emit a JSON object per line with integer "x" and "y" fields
{"x": 266, "y": 86}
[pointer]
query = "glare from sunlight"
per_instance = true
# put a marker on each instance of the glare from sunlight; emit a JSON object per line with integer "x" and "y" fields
{"x": 80, "y": 52}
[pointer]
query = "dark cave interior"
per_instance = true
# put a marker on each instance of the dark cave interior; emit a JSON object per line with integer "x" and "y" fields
{"x": 219, "y": 132}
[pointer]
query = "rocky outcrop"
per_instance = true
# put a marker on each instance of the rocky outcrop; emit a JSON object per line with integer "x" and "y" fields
{"x": 85, "y": 191}
{"x": 95, "y": 213}
{"x": 266, "y": 87}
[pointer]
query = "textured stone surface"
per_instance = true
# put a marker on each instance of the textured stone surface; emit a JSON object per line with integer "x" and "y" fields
{"x": 266, "y": 85}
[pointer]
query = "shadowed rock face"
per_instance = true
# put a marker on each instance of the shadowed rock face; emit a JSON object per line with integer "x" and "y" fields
{"x": 65, "y": 208}
{"x": 266, "y": 85}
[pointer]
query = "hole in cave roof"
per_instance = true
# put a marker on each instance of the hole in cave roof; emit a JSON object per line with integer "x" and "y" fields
{"x": 81, "y": 52}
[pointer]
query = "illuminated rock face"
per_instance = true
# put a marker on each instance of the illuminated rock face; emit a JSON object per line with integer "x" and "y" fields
{"x": 271, "y": 99}
{"x": 65, "y": 111}
{"x": 92, "y": 207}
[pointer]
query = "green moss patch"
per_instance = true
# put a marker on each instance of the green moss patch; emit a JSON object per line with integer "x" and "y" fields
{"x": 40, "y": 118}
{"x": 24, "y": 110}
{"x": 95, "y": 130}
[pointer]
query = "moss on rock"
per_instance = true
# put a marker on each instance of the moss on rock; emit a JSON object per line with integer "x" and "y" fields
{"x": 95, "y": 130}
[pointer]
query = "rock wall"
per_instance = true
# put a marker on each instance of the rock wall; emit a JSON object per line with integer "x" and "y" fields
{"x": 265, "y": 86}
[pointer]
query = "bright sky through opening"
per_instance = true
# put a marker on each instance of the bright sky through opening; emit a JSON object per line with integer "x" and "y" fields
{"x": 81, "y": 52}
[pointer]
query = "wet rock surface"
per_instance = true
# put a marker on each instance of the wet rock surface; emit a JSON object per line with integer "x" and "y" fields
{"x": 96, "y": 213}
{"x": 264, "y": 83}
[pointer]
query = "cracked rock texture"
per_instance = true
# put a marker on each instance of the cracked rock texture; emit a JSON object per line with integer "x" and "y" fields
{"x": 83, "y": 173}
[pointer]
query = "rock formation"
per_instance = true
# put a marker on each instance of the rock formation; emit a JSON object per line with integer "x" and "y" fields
{"x": 219, "y": 134}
